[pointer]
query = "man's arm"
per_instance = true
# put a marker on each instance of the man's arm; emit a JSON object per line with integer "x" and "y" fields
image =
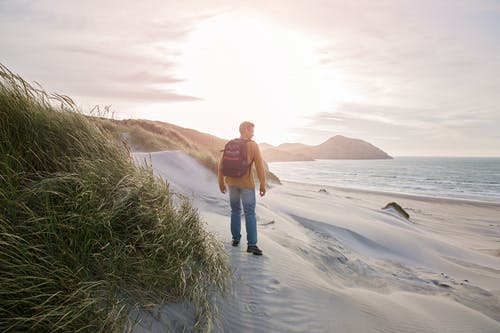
{"x": 261, "y": 173}
{"x": 220, "y": 176}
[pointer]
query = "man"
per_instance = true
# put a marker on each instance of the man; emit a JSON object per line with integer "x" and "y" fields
{"x": 242, "y": 190}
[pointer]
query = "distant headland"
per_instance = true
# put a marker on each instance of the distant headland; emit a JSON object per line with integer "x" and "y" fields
{"x": 336, "y": 148}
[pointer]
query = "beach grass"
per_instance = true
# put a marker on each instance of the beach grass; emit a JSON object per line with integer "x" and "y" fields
{"x": 86, "y": 236}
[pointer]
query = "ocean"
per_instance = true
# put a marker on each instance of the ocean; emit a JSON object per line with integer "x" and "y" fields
{"x": 468, "y": 178}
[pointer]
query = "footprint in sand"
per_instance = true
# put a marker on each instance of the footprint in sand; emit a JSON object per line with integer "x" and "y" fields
{"x": 254, "y": 308}
{"x": 272, "y": 287}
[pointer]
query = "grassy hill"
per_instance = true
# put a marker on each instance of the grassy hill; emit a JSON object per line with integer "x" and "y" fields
{"x": 85, "y": 236}
{"x": 148, "y": 136}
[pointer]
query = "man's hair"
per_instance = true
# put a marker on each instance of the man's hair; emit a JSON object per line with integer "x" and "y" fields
{"x": 246, "y": 125}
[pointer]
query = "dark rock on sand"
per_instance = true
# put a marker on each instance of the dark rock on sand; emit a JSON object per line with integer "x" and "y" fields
{"x": 398, "y": 209}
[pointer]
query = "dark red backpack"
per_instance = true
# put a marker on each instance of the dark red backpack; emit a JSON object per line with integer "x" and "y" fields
{"x": 234, "y": 158}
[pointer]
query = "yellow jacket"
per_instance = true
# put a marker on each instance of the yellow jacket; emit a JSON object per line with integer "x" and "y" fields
{"x": 246, "y": 181}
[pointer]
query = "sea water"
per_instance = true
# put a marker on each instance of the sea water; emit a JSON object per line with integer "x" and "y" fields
{"x": 445, "y": 177}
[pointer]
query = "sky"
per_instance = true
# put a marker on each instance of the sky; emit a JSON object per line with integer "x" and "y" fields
{"x": 414, "y": 78}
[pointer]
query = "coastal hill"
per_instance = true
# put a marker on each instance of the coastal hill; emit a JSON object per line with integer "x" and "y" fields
{"x": 336, "y": 148}
{"x": 150, "y": 136}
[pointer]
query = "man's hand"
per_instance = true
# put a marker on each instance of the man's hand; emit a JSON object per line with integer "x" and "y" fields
{"x": 262, "y": 192}
{"x": 223, "y": 189}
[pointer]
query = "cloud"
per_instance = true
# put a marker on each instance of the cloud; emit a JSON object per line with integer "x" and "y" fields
{"x": 436, "y": 55}
{"x": 422, "y": 72}
{"x": 134, "y": 93}
{"x": 130, "y": 54}
{"x": 383, "y": 117}
{"x": 112, "y": 57}
{"x": 368, "y": 113}
{"x": 407, "y": 131}
{"x": 146, "y": 77}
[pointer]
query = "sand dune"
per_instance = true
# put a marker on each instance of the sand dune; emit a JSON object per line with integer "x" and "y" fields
{"x": 334, "y": 261}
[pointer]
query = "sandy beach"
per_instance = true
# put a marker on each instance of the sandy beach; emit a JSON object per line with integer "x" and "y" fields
{"x": 334, "y": 261}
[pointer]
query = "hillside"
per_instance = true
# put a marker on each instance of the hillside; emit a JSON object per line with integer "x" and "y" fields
{"x": 292, "y": 147}
{"x": 149, "y": 136}
{"x": 278, "y": 155}
{"x": 337, "y": 147}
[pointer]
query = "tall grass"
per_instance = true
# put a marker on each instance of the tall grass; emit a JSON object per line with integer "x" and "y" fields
{"x": 85, "y": 236}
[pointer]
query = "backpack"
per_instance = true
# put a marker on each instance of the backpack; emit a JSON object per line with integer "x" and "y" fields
{"x": 234, "y": 158}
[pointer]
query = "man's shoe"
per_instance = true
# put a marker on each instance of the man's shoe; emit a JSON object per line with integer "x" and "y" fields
{"x": 254, "y": 249}
{"x": 235, "y": 242}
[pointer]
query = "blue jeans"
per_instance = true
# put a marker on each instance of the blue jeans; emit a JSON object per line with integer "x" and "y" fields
{"x": 247, "y": 197}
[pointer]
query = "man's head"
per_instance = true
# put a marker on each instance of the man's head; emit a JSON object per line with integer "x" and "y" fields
{"x": 246, "y": 130}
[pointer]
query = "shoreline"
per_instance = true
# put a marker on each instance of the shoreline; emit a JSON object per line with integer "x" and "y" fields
{"x": 416, "y": 197}
{"x": 469, "y": 179}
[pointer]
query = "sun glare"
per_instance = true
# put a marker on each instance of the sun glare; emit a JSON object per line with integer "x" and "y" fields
{"x": 246, "y": 67}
